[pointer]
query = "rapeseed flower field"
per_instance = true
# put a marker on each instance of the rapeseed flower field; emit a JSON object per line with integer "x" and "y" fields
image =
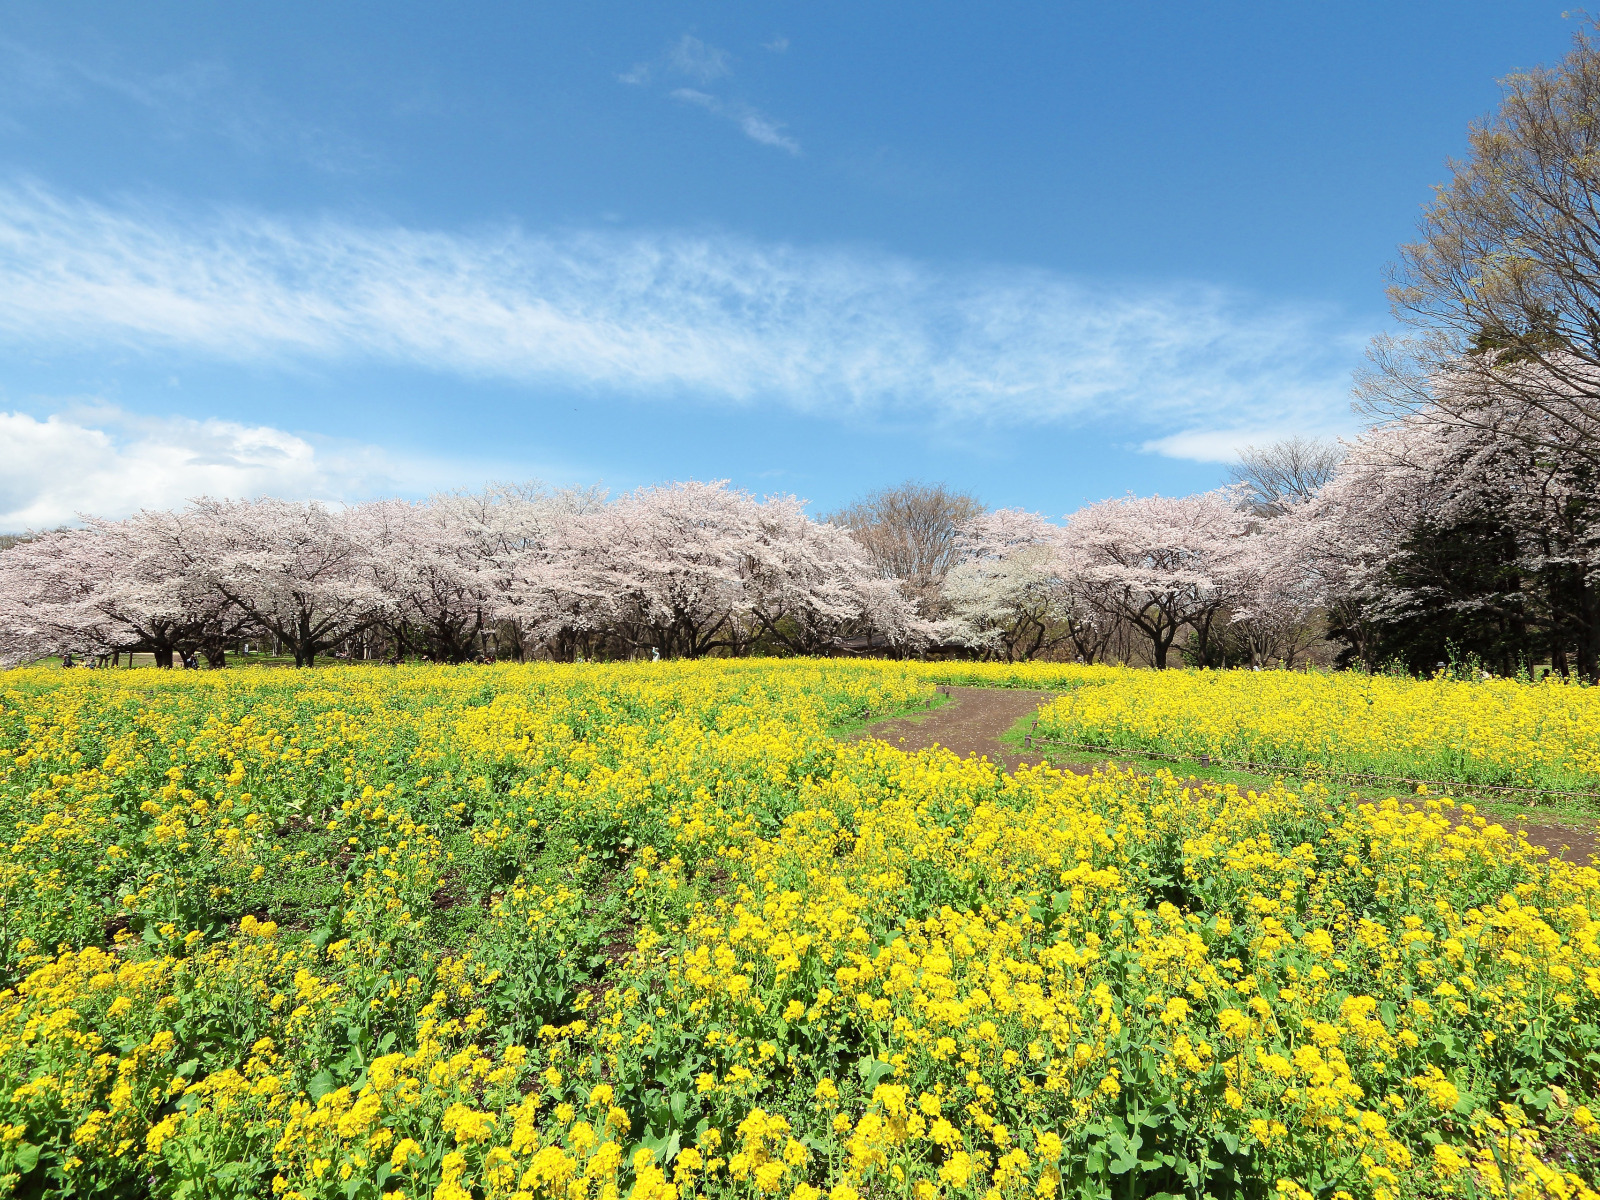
{"x": 1499, "y": 732}
{"x": 648, "y": 931}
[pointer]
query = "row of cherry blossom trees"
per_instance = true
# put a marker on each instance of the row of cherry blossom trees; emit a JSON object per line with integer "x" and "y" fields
{"x": 1431, "y": 538}
{"x": 1161, "y": 566}
{"x": 679, "y": 570}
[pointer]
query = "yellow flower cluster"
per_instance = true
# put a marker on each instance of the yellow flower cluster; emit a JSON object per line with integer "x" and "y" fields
{"x": 581, "y": 933}
{"x": 1498, "y": 732}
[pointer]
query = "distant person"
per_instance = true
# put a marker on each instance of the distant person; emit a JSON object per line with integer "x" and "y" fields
{"x": 66, "y": 659}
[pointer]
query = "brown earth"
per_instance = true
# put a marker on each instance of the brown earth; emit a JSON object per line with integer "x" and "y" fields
{"x": 974, "y": 718}
{"x": 970, "y": 722}
{"x": 1575, "y": 843}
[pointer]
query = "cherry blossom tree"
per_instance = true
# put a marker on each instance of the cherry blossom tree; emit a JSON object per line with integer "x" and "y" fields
{"x": 120, "y": 585}
{"x": 1437, "y": 537}
{"x": 439, "y": 572}
{"x": 811, "y": 587}
{"x": 154, "y": 587}
{"x": 558, "y": 582}
{"x": 672, "y": 558}
{"x": 301, "y": 572}
{"x": 658, "y": 569}
{"x": 1157, "y": 562}
{"x": 1011, "y": 594}
{"x": 524, "y": 550}
{"x": 46, "y": 588}
{"x": 1277, "y": 594}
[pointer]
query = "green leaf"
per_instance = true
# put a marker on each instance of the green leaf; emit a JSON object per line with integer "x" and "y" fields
{"x": 27, "y": 1157}
{"x": 1126, "y": 1151}
{"x": 872, "y": 1072}
{"x": 320, "y": 1085}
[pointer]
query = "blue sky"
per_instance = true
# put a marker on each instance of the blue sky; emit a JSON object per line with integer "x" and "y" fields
{"x": 1045, "y": 252}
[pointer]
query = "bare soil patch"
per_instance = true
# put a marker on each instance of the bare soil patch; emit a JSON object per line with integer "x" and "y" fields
{"x": 970, "y": 723}
{"x": 1575, "y": 843}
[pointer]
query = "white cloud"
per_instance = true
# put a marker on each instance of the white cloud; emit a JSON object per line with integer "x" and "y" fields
{"x": 761, "y": 128}
{"x": 691, "y": 57}
{"x": 1217, "y": 445}
{"x": 756, "y": 126}
{"x": 108, "y": 462}
{"x": 777, "y": 45}
{"x": 830, "y": 331}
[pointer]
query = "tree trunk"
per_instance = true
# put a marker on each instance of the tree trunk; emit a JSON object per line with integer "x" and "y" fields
{"x": 1589, "y": 632}
{"x": 1158, "y": 652}
{"x": 163, "y": 657}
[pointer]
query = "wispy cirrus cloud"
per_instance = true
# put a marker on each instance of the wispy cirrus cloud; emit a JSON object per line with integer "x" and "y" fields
{"x": 691, "y": 57}
{"x": 719, "y": 319}
{"x": 704, "y": 64}
{"x": 201, "y": 100}
{"x": 755, "y": 125}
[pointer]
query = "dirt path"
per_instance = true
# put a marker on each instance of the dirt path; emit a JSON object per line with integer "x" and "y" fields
{"x": 971, "y": 722}
{"x": 1580, "y": 841}
{"x": 974, "y": 718}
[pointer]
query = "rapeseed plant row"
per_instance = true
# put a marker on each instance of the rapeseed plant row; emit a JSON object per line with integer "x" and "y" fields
{"x": 1500, "y": 732}
{"x": 592, "y": 932}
